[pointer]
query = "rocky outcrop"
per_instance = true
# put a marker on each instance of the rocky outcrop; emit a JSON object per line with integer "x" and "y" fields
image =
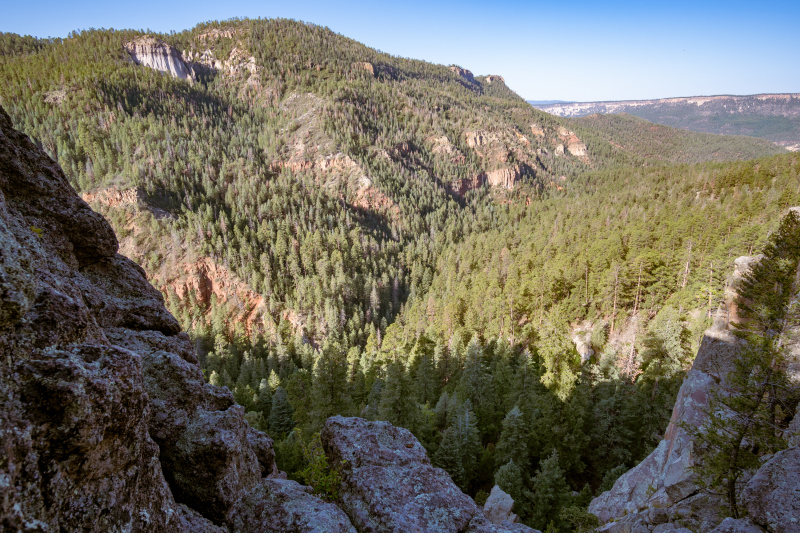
{"x": 365, "y": 66}
{"x": 389, "y": 484}
{"x": 572, "y": 143}
{"x": 537, "y": 130}
{"x": 237, "y": 62}
{"x": 502, "y": 178}
{"x": 285, "y": 505}
{"x": 205, "y": 278}
{"x": 106, "y": 423}
{"x": 462, "y": 72}
{"x": 665, "y": 478}
{"x": 772, "y": 495}
{"x": 498, "y": 507}
{"x": 734, "y": 525}
{"x": 493, "y": 78}
{"x": 158, "y": 55}
{"x": 662, "y": 489}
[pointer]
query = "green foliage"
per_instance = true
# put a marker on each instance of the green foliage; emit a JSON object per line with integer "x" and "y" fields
{"x": 550, "y": 494}
{"x": 513, "y": 442}
{"x": 510, "y": 478}
{"x": 633, "y": 134}
{"x": 280, "y": 417}
{"x": 325, "y": 479}
{"x": 389, "y": 292}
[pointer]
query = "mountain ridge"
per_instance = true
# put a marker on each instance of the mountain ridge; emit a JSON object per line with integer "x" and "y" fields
{"x": 773, "y": 116}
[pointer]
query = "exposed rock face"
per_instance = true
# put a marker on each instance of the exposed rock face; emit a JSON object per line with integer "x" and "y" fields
{"x": 503, "y": 178}
{"x": 583, "y": 345}
{"x": 389, "y": 484}
{"x": 733, "y": 525}
{"x": 365, "y": 66}
{"x": 476, "y": 138}
{"x": 493, "y": 78}
{"x": 772, "y": 496}
{"x": 663, "y": 486}
{"x": 238, "y": 62}
{"x": 498, "y": 506}
{"x": 158, "y": 55}
{"x": 537, "y": 130}
{"x": 205, "y": 278}
{"x": 285, "y": 505}
{"x": 74, "y": 409}
{"x": 464, "y": 73}
{"x": 573, "y": 144}
{"x": 106, "y": 423}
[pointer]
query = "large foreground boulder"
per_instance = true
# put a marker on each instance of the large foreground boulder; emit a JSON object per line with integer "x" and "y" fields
{"x": 389, "y": 484}
{"x": 285, "y": 505}
{"x": 772, "y": 496}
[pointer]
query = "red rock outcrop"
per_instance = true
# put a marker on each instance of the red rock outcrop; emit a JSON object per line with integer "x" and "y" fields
{"x": 365, "y": 66}
{"x": 464, "y": 73}
{"x": 205, "y": 277}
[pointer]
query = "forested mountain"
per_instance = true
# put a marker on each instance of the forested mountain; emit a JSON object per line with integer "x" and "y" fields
{"x": 344, "y": 231}
{"x": 775, "y": 117}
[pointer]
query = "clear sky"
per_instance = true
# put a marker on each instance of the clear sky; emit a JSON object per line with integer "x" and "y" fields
{"x": 578, "y": 50}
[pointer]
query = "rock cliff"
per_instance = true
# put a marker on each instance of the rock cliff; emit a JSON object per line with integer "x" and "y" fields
{"x": 462, "y": 72}
{"x": 106, "y": 423}
{"x": 663, "y": 492}
{"x": 158, "y": 55}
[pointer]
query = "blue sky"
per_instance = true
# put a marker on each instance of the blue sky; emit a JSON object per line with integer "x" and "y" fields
{"x": 575, "y": 50}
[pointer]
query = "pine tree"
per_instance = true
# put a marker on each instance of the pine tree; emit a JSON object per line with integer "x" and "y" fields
{"x": 513, "y": 442}
{"x": 280, "y": 416}
{"x": 550, "y": 494}
{"x": 741, "y": 418}
{"x": 510, "y": 479}
{"x": 274, "y": 381}
{"x": 448, "y": 456}
{"x": 395, "y": 406}
{"x": 264, "y": 403}
{"x": 329, "y": 386}
{"x": 466, "y": 426}
{"x": 425, "y": 382}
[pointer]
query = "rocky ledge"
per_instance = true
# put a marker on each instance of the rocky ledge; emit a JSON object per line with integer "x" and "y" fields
{"x": 106, "y": 423}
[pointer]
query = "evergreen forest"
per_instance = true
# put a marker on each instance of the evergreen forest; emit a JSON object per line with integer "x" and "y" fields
{"x": 386, "y": 238}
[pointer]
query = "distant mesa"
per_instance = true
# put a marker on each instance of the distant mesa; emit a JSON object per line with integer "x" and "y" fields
{"x": 775, "y": 117}
{"x": 158, "y": 55}
{"x": 464, "y": 73}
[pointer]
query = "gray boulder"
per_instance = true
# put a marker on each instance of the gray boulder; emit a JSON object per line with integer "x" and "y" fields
{"x": 388, "y": 483}
{"x": 733, "y": 525}
{"x": 498, "y": 506}
{"x": 772, "y": 495}
{"x": 286, "y": 506}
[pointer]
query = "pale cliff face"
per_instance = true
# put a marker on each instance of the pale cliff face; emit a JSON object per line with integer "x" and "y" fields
{"x": 158, "y": 55}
